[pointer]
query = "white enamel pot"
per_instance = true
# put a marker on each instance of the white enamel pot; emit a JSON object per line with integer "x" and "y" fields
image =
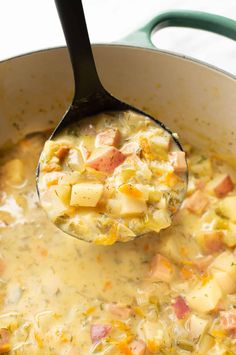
{"x": 192, "y": 98}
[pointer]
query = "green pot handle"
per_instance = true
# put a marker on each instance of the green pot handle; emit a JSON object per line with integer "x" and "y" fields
{"x": 193, "y": 19}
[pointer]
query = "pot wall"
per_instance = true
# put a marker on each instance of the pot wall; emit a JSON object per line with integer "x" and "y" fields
{"x": 193, "y": 99}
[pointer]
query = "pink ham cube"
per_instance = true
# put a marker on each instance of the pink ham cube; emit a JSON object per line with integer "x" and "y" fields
{"x": 161, "y": 269}
{"x": 224, "y": 186}
{"x": 180, "y": 307}
{"x": 178, "y": 161}
{"x": 197, "y": 203}
{"x": 99, "y": 331}
{"x": 105, "y": 159}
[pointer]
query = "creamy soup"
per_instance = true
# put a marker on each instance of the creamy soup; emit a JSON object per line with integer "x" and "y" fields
{"x": 112, "y": 177}
{"x": 174, "y": 293}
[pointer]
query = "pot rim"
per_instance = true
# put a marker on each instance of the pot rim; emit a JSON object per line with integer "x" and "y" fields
{"x": 156, "y": 50}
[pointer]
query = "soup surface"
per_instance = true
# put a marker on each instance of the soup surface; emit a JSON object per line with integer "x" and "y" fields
{"x": 112, "y": 177}
{"x": 171, "y": 293}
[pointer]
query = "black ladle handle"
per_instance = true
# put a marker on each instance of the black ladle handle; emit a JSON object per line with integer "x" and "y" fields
{"x": 76, "y": 34}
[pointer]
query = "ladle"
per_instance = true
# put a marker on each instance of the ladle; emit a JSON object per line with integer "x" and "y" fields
{"x": 90, "y": 97}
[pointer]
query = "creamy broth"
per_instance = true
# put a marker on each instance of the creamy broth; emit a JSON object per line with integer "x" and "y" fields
{"x": 112, "y": 177}
{"x": 153, "y": 295}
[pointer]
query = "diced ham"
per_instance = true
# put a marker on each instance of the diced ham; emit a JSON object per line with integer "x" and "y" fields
{"x": 137, "y": 347}
{"x": 180, "y": 307}
{"x": 119, "y": 310}
{"x": 99, "y": 331}
{"x": 200, "y": 184}
{"x": 213, "y": 241}
{"x": 197, "y": 203}
{"x": 110, "y": 136}
{"x": 62, "y": 151}
{"x": 161, "y": 268}
{"x": 232, "y": 334}
{"x": 105, "y": 159}
{"x": 178, "y": 161}
{"x": 224, "y": 186}
{"x": 228, "y": 320}
{"x": 203, "y": 262}
{"x": 130, "y": 148}
{"x": 5, "y": 336}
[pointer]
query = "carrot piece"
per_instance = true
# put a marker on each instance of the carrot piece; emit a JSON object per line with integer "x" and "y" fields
{"x": 186, "y": 273}
{"x": 130, "y": 190}
{"x": 51, "y": 167}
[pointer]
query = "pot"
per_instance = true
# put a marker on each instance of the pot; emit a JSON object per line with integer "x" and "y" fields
{"x": 192, "y": 98}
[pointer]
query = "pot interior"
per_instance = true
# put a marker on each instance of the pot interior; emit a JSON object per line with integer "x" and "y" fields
{"x": 191, "y": 98}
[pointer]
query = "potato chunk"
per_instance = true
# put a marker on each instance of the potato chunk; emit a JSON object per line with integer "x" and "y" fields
{"x": 196, "y": 326}
{"x": 205, "y": 298}
{"x": 124, "y": 232}
{"x": 228, "y": 207}
{"x": 230, "y": 235}
{"x": 226, "y": 262}
{"x": 109, "y": 136}
{"x": 130, "y": 148}
{"x": 75, "y": 160}
{"x": 225, "y": 281}
{"x": 63, "y": 192}
{"x": 86, "y": 194}
{"x": 201, "y": 166}
{"x": 14, "y": 172}
{"x": 53, "y": 204}
{"x": 131, "y": 206}
{"x": 160, "y": 142}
